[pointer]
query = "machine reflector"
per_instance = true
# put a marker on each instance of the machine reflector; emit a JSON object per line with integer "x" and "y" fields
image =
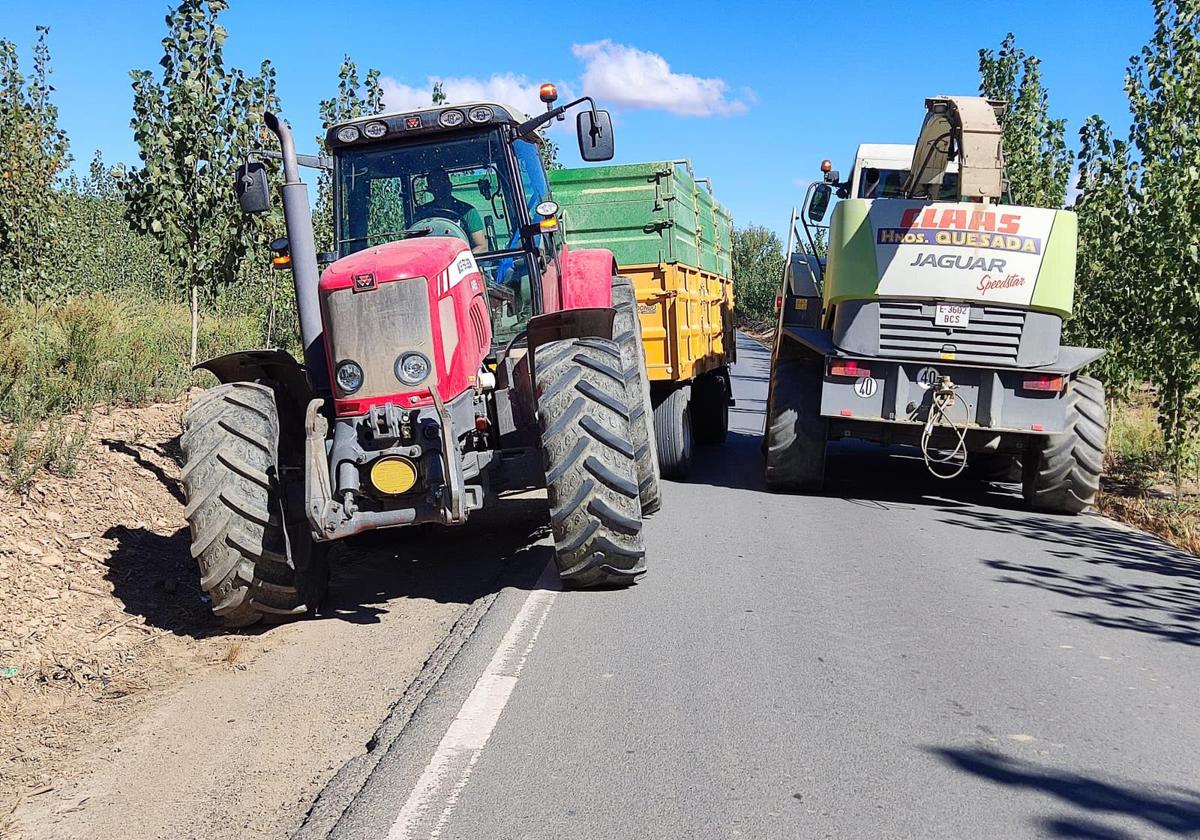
{"x": 393, "y": 476}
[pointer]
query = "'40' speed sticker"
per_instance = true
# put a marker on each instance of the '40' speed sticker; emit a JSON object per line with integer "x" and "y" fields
{"x": 865, "y": 386}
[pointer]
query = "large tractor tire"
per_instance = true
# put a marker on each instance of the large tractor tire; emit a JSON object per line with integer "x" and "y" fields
{"x": 234, "y": 507}
{"x": 673, "y": 433}
{"x": 1063, "y": 476}
{"x": 627, "y": 333}
{"x": 710, "y": 408}
{"x": 796, "y": 433}
{"x": 590, "y": 462}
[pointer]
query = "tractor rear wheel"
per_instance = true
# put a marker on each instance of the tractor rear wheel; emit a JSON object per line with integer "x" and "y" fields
{"x": 796, "y": 432}
{"x": 590, "y": 462}
{"x": 673, "y": 431}
{"x": 235, "y": 510}
{"x": 1063, "y": 476}
{"x": 627, "y": 333}
{"x": 710, "y": 408}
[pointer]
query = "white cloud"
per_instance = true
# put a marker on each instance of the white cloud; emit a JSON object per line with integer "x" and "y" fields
{"x": 625, "y": 75}
{"x": 502, "y": 88}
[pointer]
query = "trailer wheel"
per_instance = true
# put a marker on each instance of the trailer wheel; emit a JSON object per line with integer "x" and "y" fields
{"x": 235, "y": 511}
{"x": 710, "y": 408}
{"x": 590, "y": 462}
{"x": 673, "y": 432}
{"x": 796, "y": 432}
{"x": 627, "y": 333}
{"x": 1063, "y": 476}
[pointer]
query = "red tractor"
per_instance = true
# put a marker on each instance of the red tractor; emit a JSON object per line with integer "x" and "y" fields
{"x": 454, "y": 348}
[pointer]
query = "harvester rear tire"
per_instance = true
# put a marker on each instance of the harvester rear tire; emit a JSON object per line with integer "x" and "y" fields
{"x": 710, "y": 408}
{"x": 673, "y": 432}
{"x": 590, "y": 462}
{"x": 796, "y": 432}
{"x": 627, "y": 333}
{"x": 234, "y": 509}
{"x": 1063, "y": 476}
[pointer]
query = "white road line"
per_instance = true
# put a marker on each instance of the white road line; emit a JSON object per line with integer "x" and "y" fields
{"x": 433, "y": 799}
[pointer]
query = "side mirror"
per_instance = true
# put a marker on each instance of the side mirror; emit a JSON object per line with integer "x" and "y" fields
{"x": 253, "y": 191}
{"x": 595, "y": 135}
{"x": 819, "y": 205}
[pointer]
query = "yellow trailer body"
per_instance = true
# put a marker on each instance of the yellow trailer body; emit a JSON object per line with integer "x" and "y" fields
{"x": 687, "y": 319}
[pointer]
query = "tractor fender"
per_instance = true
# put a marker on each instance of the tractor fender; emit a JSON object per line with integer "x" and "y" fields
{"x": 587, "y": 278}
{"x": 274, "y": 366}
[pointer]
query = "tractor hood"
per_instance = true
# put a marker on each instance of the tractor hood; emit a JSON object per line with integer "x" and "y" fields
{"x": 421, "y": 296}
{"x": 997, "y": 254}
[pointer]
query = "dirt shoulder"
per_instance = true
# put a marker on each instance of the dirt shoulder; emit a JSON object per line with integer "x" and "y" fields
{"x": 126, "y": 711}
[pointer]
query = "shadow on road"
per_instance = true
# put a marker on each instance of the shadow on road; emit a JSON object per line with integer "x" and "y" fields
{"x": 154, "y": 575}
{"x": 170, "y": 449}
{"x": 1174, "y": 810}
{"x": 1161, "y": 598}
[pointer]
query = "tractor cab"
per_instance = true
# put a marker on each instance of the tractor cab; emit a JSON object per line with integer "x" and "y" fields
{"x": 471, "y": 171}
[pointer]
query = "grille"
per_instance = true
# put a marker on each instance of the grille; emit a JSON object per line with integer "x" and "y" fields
{"x": 993, "y": 336}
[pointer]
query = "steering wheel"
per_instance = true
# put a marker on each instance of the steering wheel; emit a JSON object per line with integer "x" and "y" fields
{"x": 440, "y": 226}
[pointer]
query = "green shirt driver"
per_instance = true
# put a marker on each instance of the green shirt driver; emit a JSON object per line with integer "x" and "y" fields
{"x": 444, "y": 204}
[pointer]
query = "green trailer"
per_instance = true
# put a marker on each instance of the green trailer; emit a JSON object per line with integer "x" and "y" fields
{"x": 673, "y": 239}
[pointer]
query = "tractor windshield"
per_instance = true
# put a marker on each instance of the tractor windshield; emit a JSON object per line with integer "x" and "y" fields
{"x": 457, "y": 187}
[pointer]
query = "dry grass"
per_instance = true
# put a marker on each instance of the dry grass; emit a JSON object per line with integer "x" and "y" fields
{"x": 1137, "y": 489}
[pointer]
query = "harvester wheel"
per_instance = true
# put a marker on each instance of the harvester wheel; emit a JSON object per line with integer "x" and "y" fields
{"x": 590, "y": 462}
{"x": 796, "y": 432}
{"x": 1064, "y": 475}
{"x": 235, "y": 510}
{"x": 627, "y": 333}
{"x": 710, "y": 408}
{"x": 673, "y": 431}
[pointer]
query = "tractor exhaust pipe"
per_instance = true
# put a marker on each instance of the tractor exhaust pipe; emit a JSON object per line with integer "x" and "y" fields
{"x": 297, "y": 213}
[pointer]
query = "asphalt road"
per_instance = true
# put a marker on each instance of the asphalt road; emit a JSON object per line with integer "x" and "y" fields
{"x": 900, "y": 657}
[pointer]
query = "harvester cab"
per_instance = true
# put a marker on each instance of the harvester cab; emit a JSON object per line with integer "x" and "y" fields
{"x": 454, "y": 348}
{"x": 935, "y": 319}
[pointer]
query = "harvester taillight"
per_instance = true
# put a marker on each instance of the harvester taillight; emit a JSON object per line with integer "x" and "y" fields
{"x": 847, "y": 368}
{"x": 1043, "y": 382}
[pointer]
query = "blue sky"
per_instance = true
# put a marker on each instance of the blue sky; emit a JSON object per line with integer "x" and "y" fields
{"x": 755, "y": 94}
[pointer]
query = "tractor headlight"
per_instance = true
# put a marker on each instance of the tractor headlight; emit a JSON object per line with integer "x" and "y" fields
{"x": 348, "y": 134}
{"x": 375, "y": 130}
{"x": 412, "y": 368}
{"x": 349, "y": 377}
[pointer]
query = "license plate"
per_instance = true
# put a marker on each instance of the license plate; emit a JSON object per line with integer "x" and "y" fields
{"x": 952, "y": 315}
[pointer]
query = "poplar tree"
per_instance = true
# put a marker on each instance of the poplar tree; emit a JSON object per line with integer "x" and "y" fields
{"x": 194, "y": 124}
{"x": 1036, "y": 157}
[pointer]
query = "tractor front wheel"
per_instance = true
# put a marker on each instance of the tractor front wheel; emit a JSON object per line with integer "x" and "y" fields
{"x": 796, "y": 432}
{"x": 1063, "y": 475}
{"x": 590, "y": 462}
{"x": 235, "y": 511}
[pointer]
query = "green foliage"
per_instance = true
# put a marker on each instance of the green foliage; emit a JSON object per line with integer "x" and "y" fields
{"x": 194, "y": 125}
{"x": 1036, "y": 157}
{"x": 757, "y": 270}
{"x": 33, "y": 155}
{"x": 1139, "y": 217}
{"x": 439, "y": 95}
{"x": 549, "y": 153}
{"x": 1163, "y": 84}
{"x": 1108, "y": 298}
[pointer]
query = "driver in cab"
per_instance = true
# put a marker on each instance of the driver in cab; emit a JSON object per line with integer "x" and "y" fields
{"x": 446, "y": 206}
